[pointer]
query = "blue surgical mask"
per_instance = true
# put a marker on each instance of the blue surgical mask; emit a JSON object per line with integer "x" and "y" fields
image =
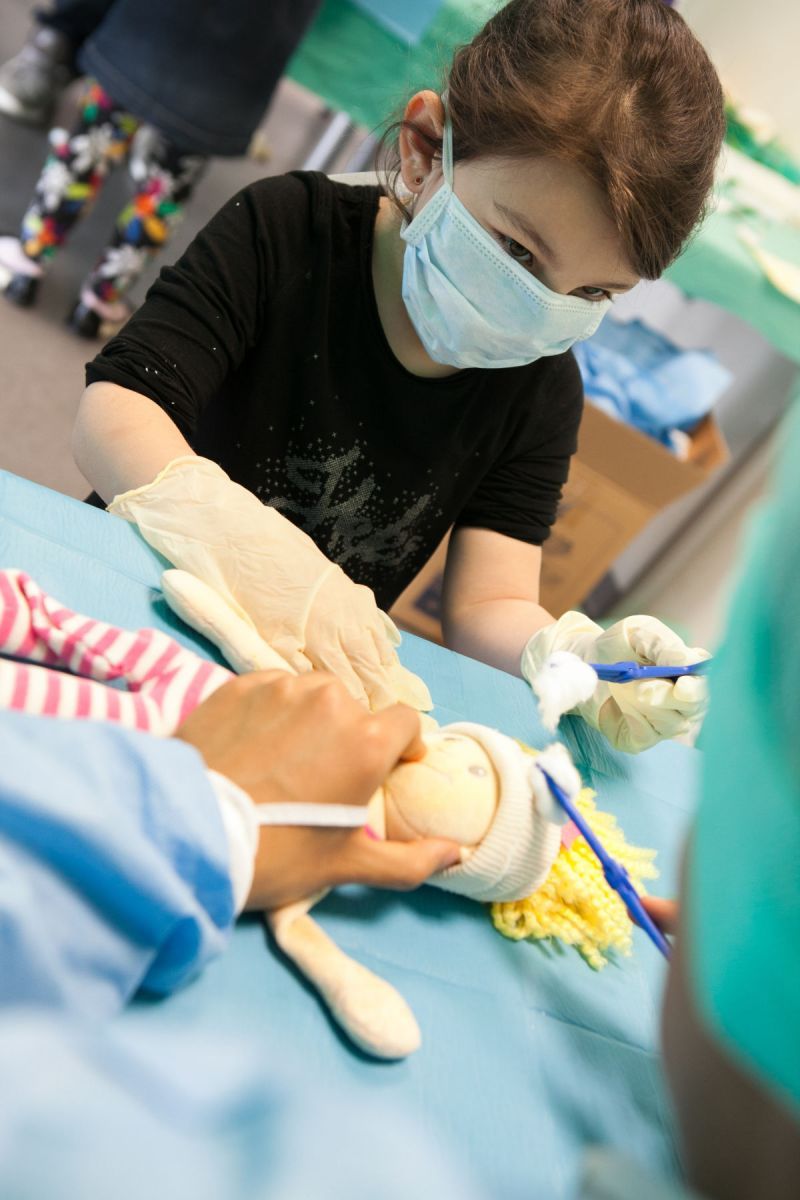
{"x": 470, "y": 302}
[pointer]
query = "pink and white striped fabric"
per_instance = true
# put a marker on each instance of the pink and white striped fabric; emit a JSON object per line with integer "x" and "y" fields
{"x": 164, "y": 681}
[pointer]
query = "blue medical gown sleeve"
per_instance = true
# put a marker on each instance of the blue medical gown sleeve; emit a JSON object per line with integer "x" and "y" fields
{"x": 138, "y": 1112}
{"x": 113, "y": 865}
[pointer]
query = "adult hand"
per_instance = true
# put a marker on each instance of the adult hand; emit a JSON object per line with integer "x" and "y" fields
{"x": 633, "y": 716}
{"x": 286, "y": 739}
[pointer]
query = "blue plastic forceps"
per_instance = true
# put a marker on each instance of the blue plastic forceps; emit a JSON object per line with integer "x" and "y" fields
{"x": 616, "y": 875}
{"x": 630, "y": 672}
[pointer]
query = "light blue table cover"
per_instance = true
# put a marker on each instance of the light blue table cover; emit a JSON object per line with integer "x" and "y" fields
{"x": 527, "y": 1056}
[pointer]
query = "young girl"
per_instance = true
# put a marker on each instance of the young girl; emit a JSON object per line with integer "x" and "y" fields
{"x": 381, "y": 364}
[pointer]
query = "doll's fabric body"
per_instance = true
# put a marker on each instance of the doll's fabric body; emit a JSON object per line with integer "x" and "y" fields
{"x": 164, "y": 681}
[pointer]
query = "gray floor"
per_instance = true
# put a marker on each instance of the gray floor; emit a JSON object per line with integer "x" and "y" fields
{"x": 42, "y": 364}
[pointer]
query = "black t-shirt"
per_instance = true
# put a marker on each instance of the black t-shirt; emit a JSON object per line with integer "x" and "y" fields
{"x": 264, "y": 345}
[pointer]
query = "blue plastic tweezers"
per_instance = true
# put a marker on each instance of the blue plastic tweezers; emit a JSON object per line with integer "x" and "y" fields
{"x": 630, "y": 672}
{"x": 616, "y": 875}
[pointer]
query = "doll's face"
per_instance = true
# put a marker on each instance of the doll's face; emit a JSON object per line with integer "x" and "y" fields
{"x": 451, "y": 792}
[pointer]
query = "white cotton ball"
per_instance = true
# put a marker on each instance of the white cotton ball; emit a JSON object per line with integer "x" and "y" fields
{"x": 563, "y": 682}
{"x": 557, "y": 762}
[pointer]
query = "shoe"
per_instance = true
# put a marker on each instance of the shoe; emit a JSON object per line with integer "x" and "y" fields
{"x": 19, "y": 276}
{"x": 32, "y": 80}
{"x": 86, "y": 322}
{"x": 22, "y": 290}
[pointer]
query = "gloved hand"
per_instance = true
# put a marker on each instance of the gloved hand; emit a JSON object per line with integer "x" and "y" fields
{"x": 274, "y": 577}
{"x": 633, "y": 716}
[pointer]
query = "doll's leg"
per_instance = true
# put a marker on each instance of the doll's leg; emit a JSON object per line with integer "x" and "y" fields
{"x": 43, "y": 691}
{"x": 39, "y": 690}
{"x": 370, "y": 1010}
{"x": 72, "y": 176}
{"x": 165, "y": 681}
{"x": 164, "y": 178}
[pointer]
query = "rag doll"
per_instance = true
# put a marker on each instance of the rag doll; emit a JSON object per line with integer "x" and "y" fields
{"x": 474, "y": 785}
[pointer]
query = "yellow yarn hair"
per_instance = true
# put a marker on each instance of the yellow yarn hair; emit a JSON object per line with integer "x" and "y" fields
{"x": 575, "y": 904}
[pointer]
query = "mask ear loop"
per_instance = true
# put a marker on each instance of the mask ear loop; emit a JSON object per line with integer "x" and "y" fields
{"x": 447, "y": 146}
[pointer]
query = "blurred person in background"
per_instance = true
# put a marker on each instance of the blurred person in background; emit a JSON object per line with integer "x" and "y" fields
{"x": 168, "y": 86}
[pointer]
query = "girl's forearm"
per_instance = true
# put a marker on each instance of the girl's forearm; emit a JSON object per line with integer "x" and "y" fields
{"x": 122, "y": 439}
{"x": 495, "y": 631}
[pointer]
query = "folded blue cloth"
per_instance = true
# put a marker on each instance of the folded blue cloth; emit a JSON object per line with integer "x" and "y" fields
{"x": 637, "y": 376}
{"x": 404, "y": 19}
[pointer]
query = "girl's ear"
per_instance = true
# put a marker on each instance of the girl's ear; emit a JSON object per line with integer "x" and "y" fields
{"x": 418, "y": 145}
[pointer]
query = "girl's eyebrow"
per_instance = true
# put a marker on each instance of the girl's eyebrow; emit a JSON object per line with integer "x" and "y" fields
{"x": 614, "y": 287}
{"x": 522, "y": 224}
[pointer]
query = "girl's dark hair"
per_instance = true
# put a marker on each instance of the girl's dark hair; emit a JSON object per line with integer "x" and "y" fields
{"x": 621, "y": 88}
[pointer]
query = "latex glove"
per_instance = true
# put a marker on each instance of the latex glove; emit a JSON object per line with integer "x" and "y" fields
{"x": 632, "y": 716}
{"x": 275, "y": 578}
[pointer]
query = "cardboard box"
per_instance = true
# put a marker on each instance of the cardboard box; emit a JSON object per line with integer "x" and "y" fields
{"x": 619, "y": 479}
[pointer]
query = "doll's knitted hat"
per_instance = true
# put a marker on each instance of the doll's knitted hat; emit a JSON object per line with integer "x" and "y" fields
{"x": 517, "y": 853}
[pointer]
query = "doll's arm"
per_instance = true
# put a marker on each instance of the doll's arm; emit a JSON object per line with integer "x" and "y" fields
{"x": 202, "y": 608}
{"x": 368, "y": 1008}
{"x": 206, "y": 611}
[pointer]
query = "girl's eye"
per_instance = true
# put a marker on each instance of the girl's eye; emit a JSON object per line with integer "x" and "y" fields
{"x": 593, "y": 293}
{"x": 517, "y": 251}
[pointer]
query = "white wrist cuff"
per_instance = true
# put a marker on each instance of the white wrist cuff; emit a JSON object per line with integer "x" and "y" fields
{"x": 238, "y": 815}
{"x": 336, "y": 816}
{"x": 241, "y": 819}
